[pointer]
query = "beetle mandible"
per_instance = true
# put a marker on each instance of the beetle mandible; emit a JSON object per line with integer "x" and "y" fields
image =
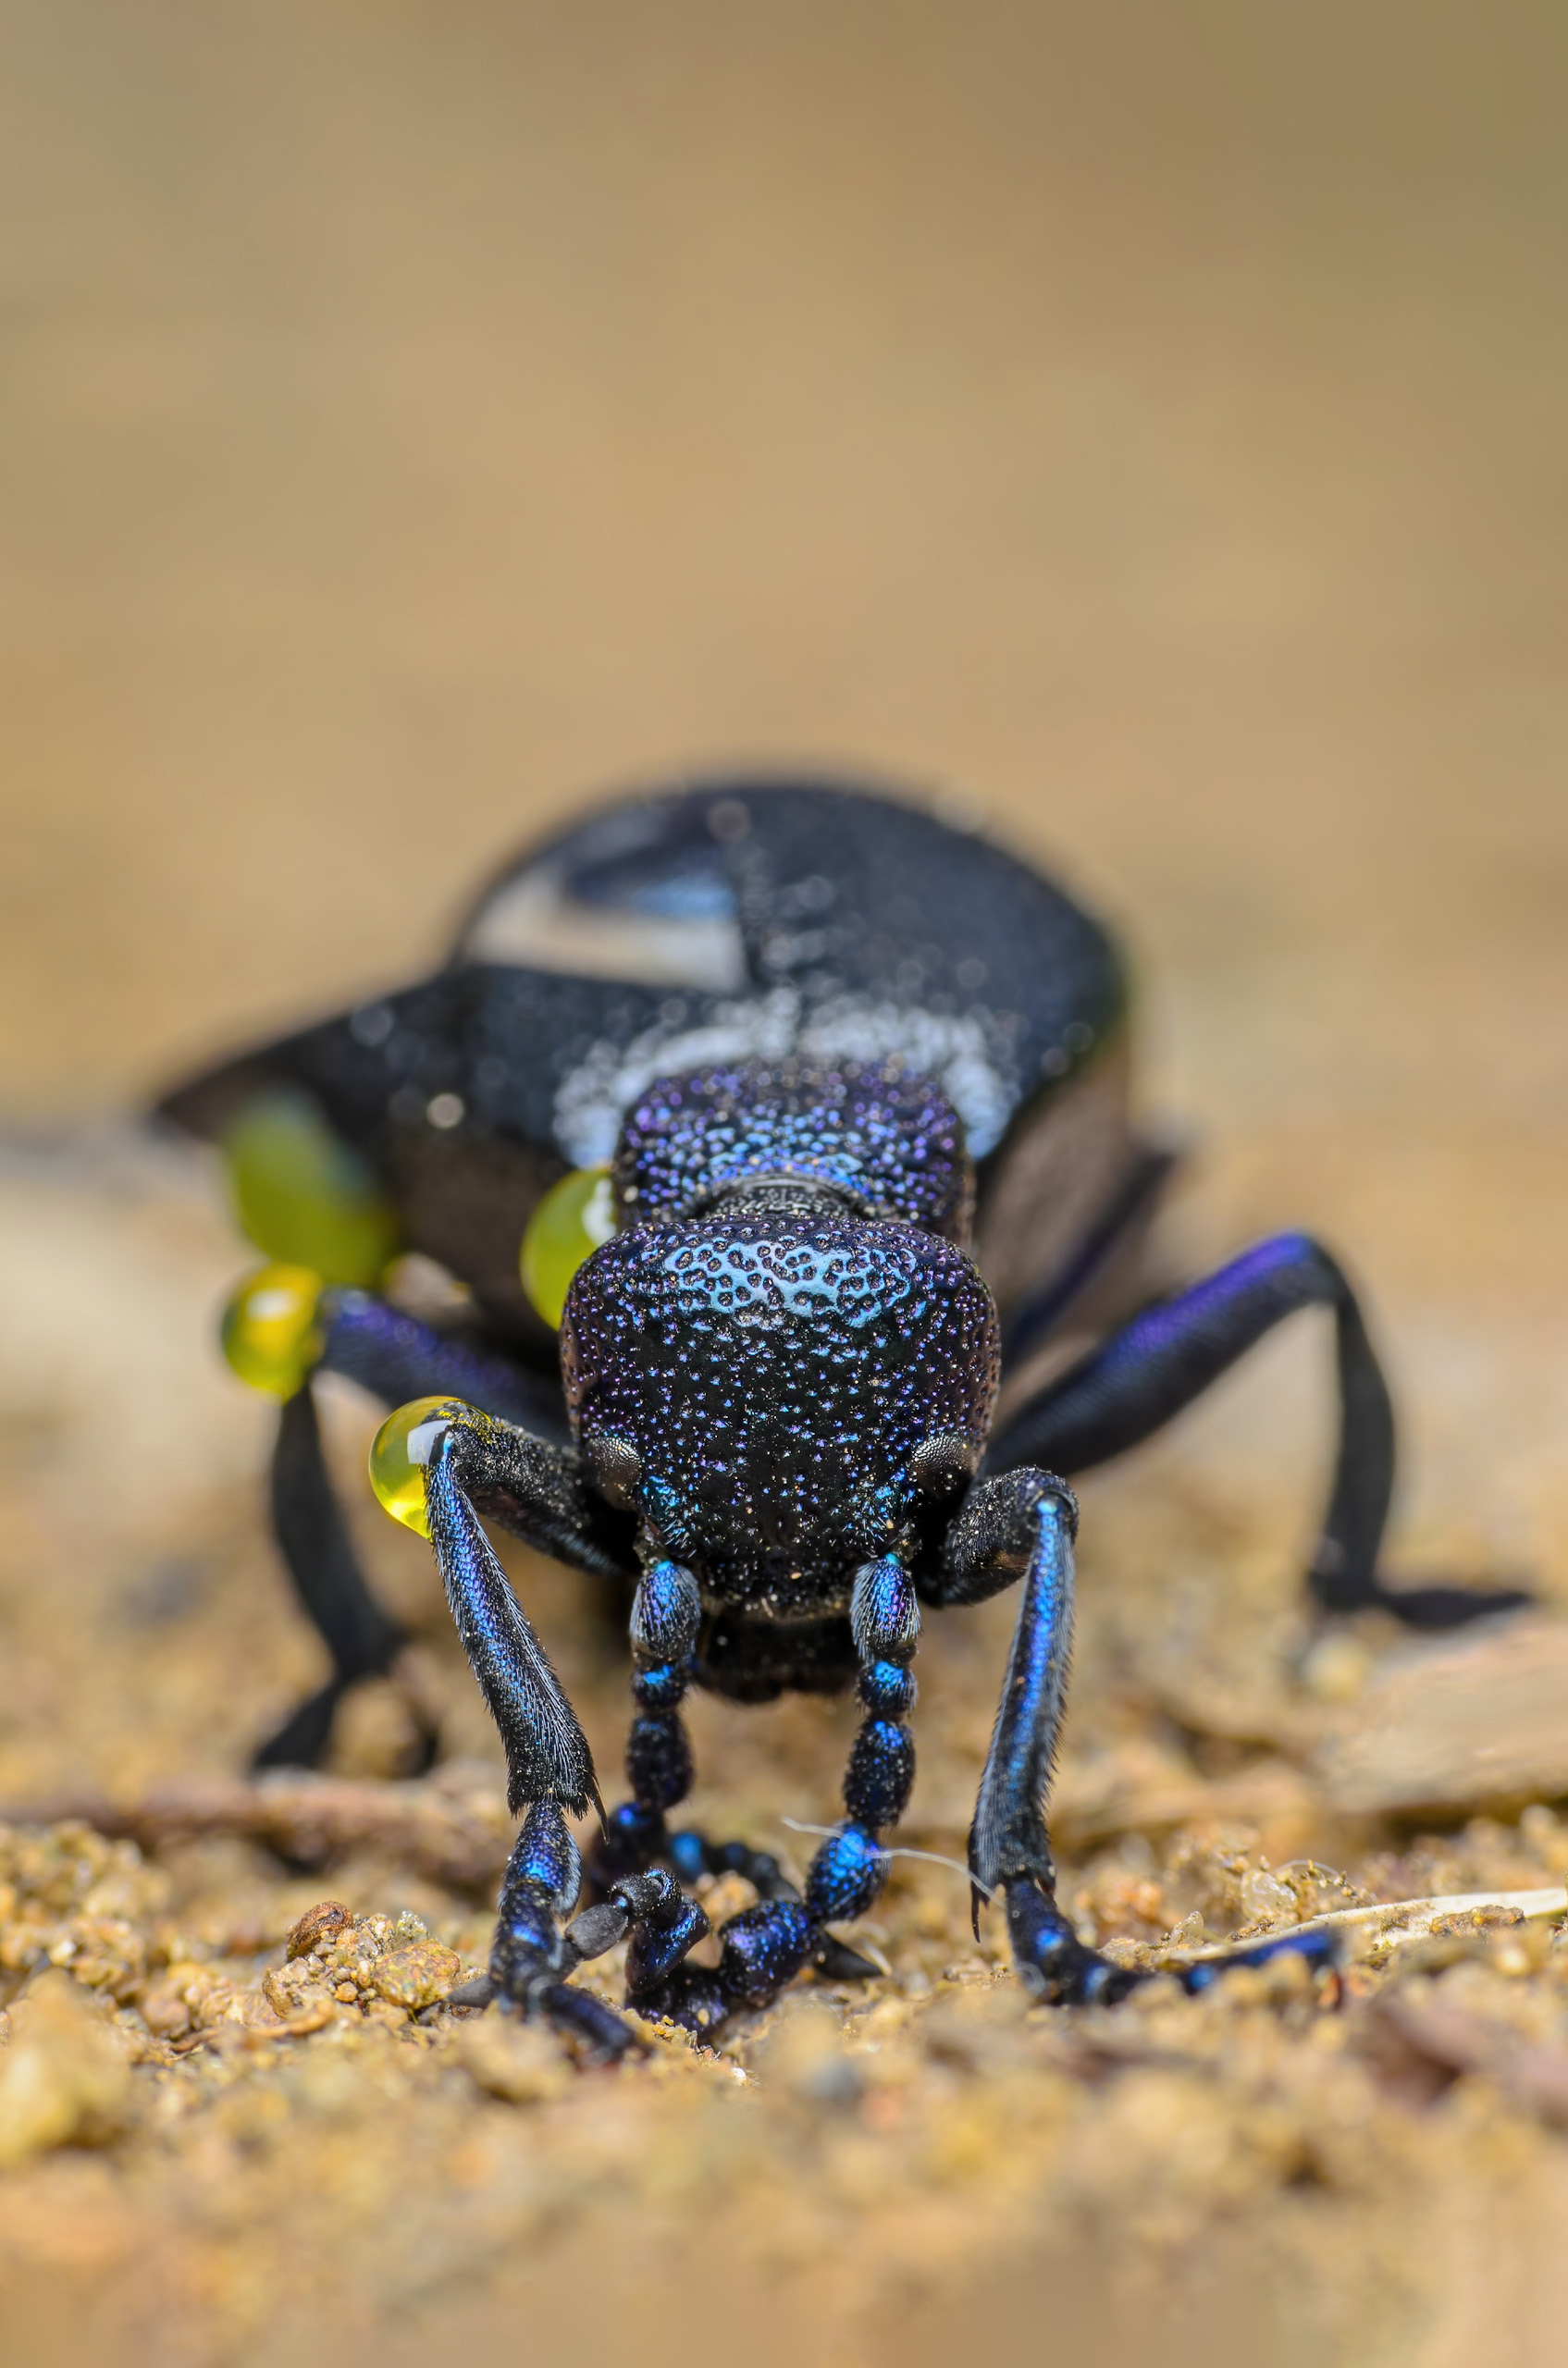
{"x": 809, "y": 1110}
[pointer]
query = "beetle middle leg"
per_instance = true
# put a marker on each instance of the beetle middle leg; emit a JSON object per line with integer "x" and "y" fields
{"x": 1127, "y": 1388}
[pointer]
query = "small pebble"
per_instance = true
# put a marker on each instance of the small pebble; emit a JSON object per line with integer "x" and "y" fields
{"x": 318, "y": 1925}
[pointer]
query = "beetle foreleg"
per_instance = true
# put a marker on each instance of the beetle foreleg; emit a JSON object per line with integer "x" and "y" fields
{"x": 1026, "y": 1523}
{"x": 395, "y": 1357}
{"x": 549, "y": 1763}
{"x": 547, "y": 1754}
{"x": 1024, "y": 1526}
{"x": 531, "y": 1956}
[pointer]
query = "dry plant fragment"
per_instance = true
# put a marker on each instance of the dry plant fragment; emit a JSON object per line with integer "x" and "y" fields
{"x": 1455, "y": 2041}
{"x": 1374, "y": 1932}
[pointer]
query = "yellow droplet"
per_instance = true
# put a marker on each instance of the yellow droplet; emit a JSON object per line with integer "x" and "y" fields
{"x": 269, "y": 1333}
{"x": 400, "y": 1450}
{"x": 301, "y": 1193}
{"x": 575, "y": 1217}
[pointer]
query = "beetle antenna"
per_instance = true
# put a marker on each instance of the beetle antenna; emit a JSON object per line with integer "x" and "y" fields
{"x": 932, "y": 1857}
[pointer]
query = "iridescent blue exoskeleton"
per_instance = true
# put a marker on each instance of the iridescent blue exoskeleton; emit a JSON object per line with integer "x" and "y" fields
{"x": 872, "y": 1282}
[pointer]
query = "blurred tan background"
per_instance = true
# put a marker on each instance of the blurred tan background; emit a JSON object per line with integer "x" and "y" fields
{"x": 1147, "y": 417}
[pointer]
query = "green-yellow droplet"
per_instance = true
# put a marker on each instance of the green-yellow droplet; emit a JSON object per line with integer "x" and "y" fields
{"x": 572, "y": 1220}
{"x": 269, "y": 1332}
{"x": 302, "y": 1195}
{"x": 400, "y": 1450}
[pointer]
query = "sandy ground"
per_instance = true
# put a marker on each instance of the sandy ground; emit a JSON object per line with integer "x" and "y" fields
{"x": 414, "y": 420}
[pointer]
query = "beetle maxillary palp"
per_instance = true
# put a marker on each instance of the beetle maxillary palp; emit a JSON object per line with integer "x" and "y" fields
{"x": 884, "y": 1616}
{"x": 666, "y": 1613}
{"x": 850, "y": 1868}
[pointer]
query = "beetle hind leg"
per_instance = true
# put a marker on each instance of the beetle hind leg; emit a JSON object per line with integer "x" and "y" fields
{"x": 313, "y": 1539}
{"x": 1166, "y": 1357}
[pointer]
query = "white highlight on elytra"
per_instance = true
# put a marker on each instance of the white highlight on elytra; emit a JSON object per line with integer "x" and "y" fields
{"x": 951, "y": 1048}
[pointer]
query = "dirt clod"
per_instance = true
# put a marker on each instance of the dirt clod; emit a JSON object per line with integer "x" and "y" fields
{"x": 318, "y": 1926}
{"x": 514, "y": 2061}
{"x": 63, "y": 2078}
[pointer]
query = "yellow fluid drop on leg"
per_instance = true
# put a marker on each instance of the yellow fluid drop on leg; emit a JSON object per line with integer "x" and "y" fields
{"x": 575, "y": 1217}
{"x": 302, "y": 1195}
{"x": 270, "y": 1334}
{"x": 400, "y": 1450}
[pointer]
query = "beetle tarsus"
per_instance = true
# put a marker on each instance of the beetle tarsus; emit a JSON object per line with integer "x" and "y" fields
{"x": 532, "y": 1955}
{"x": 1053, "y": 1963}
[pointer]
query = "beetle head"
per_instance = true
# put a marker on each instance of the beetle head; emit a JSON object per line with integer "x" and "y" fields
{"x": 761, "y": 1383}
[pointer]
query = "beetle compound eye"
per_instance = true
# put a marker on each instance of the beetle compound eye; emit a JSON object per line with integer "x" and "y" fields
{"x": 614, "y": 1466}
{"x": 269, "y": 1331}
{"x": 302, "y": 1195}
{"x": 941, "y": 1463}
{"x": 400, "y": 1450}
{"x": 575, "y": 1217}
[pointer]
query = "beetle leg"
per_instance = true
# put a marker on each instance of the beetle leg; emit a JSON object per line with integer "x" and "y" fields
{"x": 1166, "y": 1357}
{"x": 531, "y": 1956}
{"x": 395, "y": 1357}
{"x": 1023, "y": 1526}
{"x": 535, "y": 1491}
{"x": 314, "y": 1540}
{"x": 540, "y": 1493}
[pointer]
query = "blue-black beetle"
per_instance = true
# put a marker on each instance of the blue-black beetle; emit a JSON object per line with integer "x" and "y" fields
{"x": 854, "y": 1082}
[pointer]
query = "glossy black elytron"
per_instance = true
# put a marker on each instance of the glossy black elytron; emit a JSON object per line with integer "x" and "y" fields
{"x": 876, "y": 1283}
